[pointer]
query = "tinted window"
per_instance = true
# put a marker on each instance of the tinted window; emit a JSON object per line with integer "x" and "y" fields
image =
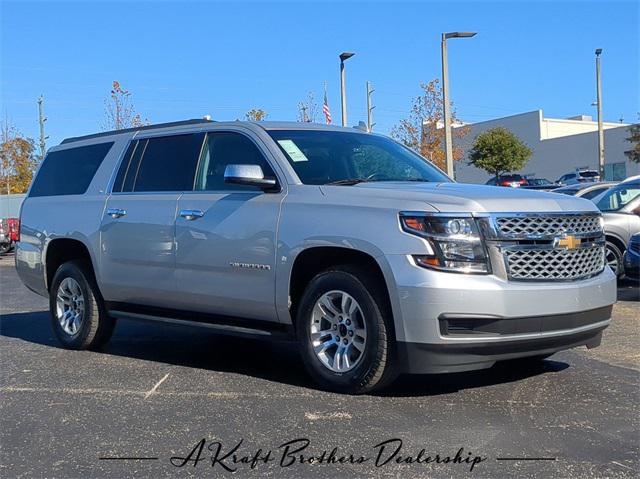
{"x": 168, "y": 163}
{"x": 617, "y": 198}
{"x": 321, "y": 156}
{"x": 593, "y": 193}
{"x": 69, "y": 172}
{"x": 134, "y": 166}
{"x": 124, "y": 166}
{"x": 222, "y": 149}
{"x": 589, "y": 174}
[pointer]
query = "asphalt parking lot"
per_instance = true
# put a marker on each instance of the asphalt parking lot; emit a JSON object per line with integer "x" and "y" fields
{"x": 156, "y": 391}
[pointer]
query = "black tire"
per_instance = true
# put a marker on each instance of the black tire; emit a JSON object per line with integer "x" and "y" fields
{"x": 96, "y": 327}
{"x": 5, "y": 248}
{"x": 375, "y": 369}
{"x": 614, "y": 250}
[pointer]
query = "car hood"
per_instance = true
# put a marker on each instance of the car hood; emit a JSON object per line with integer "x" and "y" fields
{"x": 461, "y": 197}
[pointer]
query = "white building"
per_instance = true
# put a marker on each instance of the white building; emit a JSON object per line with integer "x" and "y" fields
{"x": 559, "y": 146}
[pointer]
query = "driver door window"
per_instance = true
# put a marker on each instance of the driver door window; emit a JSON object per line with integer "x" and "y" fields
{"x": 228, "y": 148}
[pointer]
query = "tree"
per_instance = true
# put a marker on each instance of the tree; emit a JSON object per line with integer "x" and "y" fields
{"x": 499, "y": 151}
{"x": 423, "y": 130}
{"x": 308, "y": 110}
{"x": 255, "y": 114}
{"x": 17, "y": 160}
{"x": 119, "y": 110}
{"x": 634, "y": 153}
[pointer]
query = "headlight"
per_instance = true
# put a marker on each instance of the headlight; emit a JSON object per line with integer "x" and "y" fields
{"x": 455, "y": 241}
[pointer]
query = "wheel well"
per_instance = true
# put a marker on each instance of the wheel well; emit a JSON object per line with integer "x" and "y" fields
{"x": 312, "y": 261}
{"x": 616, "y": 241}
{"x": 62, "y": 250}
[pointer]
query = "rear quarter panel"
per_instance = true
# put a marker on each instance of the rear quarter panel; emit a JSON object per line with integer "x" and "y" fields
{"x": 47, "y": 218}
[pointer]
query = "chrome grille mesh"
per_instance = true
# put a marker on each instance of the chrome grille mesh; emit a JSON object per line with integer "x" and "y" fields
{"x": 538, "y": 226}
{"x": 555, "y": 264}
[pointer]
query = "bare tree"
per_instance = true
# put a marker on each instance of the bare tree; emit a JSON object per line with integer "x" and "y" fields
{"x": 308, "y": 109}
{"x": 256, "y": 114}
{"x": 119, "y": 110}
{"x": 423, "y": 130}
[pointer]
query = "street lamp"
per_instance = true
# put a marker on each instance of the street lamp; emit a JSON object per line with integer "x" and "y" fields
{"x": 448, "y": 144}
{"x": 343, "y": 95}
{"x": 599, "y": 105}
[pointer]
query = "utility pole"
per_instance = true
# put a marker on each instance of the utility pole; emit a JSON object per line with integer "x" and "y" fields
{"x": 369, "y": 108}
{"x": 305, "y": 118}
{"x": 41, "y": 120}
{"x": 600, "y": 127}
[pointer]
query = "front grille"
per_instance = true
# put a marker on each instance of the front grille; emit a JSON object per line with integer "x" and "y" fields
{"x": 555, "y": 264}
{"x": 548, "y": 226}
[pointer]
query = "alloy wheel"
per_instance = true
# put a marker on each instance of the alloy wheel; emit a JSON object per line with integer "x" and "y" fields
{"x": 70, "y": 306}
{"x": 338, "y": 331}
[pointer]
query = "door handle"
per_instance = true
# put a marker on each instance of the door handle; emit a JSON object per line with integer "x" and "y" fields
{"x": 191, "y": 215}
{"x": 116, "y": 212}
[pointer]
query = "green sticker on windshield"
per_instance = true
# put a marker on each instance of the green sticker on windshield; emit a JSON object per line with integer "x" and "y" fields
{"x": 293, "y": 151}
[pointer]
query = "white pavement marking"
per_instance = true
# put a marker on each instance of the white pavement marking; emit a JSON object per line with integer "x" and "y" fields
{"x": 128, "y": 392}
{"x": 153, "y": 389}
{"x": 317, "y": 416}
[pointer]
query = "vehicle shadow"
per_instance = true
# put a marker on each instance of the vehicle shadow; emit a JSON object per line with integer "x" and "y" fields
{"x": 628, "y": 290}
{"x": 272, "y": 361}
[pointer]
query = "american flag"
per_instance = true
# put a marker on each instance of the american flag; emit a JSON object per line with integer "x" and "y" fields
{"x": 325, "y": 108}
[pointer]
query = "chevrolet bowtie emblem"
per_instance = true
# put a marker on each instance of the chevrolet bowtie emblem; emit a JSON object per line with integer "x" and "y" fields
{"x": 569, "y": 242}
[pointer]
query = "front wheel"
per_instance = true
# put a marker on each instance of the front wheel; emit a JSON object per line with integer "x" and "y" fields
{"x": 613, "y": 256}
{"x": 345, "y": 332}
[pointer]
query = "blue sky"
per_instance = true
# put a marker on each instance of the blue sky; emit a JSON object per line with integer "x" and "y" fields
{"x": 187, "y": 59}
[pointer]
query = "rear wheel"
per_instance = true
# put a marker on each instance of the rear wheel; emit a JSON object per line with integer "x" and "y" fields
{"x": 345, "y": 332}
{"x": 78, "y": 316}
{"x": 5, "y": 248}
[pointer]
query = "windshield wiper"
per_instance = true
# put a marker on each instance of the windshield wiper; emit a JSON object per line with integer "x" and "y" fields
{"x": 349, "y": 181}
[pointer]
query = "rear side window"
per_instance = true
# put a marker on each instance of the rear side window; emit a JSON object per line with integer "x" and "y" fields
{"x": 70, "y": 171}
{"x": 168, "y": 163}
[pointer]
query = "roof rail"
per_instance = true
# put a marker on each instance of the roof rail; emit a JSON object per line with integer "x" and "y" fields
{"x": 139, "y": 128}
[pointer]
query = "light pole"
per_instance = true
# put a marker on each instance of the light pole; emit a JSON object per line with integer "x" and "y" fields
{"x": 343, "y": 94}
{"x": 600, "y": 128}
{"x": 448, "y": 144}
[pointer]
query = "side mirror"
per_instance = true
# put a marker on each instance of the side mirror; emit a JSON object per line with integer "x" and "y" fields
{"x": 250, "y": 175}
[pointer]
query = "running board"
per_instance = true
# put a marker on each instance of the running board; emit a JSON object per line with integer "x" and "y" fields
{"x": 268, "y": 332}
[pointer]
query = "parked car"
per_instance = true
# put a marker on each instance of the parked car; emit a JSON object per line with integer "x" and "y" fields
{"x": 579, "y": 176}
{"x": 631, "y": 259}
{"x": 513, "y": 181}
{"x": 9, "y": 228}
{"x": 539, "y": 184}
{"x": 586, "y": 190}
{"x": 621, "y": 212}
{"x": 367, "y": 255}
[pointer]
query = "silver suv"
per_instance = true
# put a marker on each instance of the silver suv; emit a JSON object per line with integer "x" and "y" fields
{"x": 374, "y": 260}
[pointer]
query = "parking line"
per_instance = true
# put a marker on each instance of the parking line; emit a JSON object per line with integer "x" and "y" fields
{"x": 153, "y": 389}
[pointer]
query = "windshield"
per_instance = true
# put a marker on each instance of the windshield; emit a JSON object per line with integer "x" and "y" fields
{"x": 321, "y": 157}
{"x": 617, "y": 198}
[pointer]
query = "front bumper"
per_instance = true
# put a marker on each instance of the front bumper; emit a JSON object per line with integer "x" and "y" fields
{"x": 420, "y": 358}
{"x": 521, "y": 318}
